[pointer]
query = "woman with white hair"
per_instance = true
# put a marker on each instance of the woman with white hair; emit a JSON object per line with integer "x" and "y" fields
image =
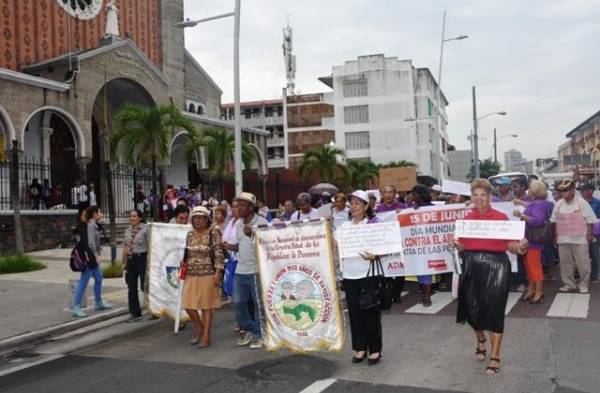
{"x": 305, "y": 209}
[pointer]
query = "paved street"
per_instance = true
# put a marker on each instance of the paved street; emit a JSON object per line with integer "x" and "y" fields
{"x": 422, "y": 353}
{"x": 41, "y": 298}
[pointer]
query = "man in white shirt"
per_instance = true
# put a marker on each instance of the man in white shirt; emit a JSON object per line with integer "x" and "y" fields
{"x": 573, "y": 217}
{"x": 305, "y": 209}
{"x": 245, "y": 288}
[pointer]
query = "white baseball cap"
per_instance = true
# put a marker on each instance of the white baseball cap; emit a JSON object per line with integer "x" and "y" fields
{"x": 360, "y": 194}
{"x": 437, "y": 187}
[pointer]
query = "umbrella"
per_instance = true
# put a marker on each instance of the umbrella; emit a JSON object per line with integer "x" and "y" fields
{"x": 319, "y": 189}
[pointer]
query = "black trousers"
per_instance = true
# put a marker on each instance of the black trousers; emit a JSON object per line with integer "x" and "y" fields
{"x": 365, "y": 325}
{"x": 136, "y": 270}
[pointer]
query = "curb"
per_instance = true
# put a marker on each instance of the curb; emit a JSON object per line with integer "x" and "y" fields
{"x": 12, "y": 344}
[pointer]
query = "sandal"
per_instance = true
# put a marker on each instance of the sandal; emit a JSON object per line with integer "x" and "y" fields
{"x": 493, "y": 370}
{"x": 203, "y": 344}
{"x": 480, "y": 352}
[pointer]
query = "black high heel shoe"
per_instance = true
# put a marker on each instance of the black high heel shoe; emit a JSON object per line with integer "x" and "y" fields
{"x": 359, "y": 360}
{"x": 480, "y": 352}
{"x": 372, "y": 362}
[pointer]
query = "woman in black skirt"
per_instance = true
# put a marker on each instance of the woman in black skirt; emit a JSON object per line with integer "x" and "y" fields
{"x": 485, "y": 282}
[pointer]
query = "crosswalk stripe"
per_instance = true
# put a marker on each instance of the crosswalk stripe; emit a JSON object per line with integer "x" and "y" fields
{"x": 570, "y": 305}
{"x": 513, "y": 298}
{"x": 438, "y": 300}
{"x": 319, "y": 386}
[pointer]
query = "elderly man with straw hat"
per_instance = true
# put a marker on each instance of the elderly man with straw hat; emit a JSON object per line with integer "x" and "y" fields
{"x": 574, "y": 218}
{"x": 245, "y": 283}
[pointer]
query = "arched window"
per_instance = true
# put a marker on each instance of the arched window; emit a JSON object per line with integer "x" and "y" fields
{"x": 200, "y": 110}
{"x": 192, "y": 108}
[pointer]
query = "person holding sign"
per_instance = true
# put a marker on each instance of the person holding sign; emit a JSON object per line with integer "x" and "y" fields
{"x": 203, "y": 260}
{"x": 365, "y": 322}
{"x": 485, "y": 282}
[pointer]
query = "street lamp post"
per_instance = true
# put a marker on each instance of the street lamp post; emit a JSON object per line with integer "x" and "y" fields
{"x": 476, "y": 135}
{"x": 237, "y": 128}
{"x": 439, "y": 81}
{"x": 496, "y": 143}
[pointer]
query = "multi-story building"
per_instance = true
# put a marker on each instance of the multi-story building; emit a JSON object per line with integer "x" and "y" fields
{"x": 460, "y": 162}
{"x": 512, "y": 159}
{"x": 387, "y": 110}
{"x": 266, "y": 115}
{"x": 296, "y": 124}
{"x": 309, "y": 124}
{"x": 584, "y": 140}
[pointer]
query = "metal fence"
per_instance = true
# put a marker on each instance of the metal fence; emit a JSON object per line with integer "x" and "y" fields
{"x": 31, "y": 169}
{"x": 124, "y": 181}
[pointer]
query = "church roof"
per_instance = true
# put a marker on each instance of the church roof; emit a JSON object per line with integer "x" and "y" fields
{"x": 202, "y": 71}
{"x": 81, "y": 55}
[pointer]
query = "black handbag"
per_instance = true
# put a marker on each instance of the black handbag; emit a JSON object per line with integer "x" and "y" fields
{"x": 374, "y": 293}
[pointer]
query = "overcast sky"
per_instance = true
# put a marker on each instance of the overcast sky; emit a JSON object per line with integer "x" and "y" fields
{"x": 539, "y": 60}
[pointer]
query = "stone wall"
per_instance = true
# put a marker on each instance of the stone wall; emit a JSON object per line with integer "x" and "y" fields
{"x": 42, "y": 229}
{"x": 199, "y": 87}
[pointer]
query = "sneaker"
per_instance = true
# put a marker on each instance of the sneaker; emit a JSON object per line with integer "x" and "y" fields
{"x": 78, "y": 312}
{"x": 521, "y": 288}
{"x": 244, "y": 339}
{"x": 134, "y": 319}
{"x": 583, "y": 289}
{"x": 100, "y": 305}
{"x": 426, "y": 301}
{"x": 566, "y": 288}
{"x": 256, "y": 343}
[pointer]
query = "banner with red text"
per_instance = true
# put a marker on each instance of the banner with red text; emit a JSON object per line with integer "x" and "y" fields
{"x": 299, "y": 290}
{"x": 427, "y": 241}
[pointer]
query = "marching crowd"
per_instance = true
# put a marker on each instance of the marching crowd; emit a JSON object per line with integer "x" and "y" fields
{"x": 220, "y": 260}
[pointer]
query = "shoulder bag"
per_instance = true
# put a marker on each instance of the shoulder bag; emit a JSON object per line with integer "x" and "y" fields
{"x": 374, "y": 293}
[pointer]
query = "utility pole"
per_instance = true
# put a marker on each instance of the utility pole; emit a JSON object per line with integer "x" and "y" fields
{"x": 495, "y": 147}
{"x": 475, "y": 138}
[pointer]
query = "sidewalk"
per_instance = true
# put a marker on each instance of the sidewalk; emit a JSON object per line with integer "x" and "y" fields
{"x": 37, "y": 300}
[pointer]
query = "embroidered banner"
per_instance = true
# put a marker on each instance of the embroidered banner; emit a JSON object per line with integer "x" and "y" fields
{"x": 167, "y": 244}
{"x": 299, "y": 291}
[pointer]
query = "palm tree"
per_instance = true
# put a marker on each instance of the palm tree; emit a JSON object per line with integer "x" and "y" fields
{"x": 323, "y": 160}
{"x": 487, "y": 168}
{"x": 144, "y": 135}
{"x": 219, "y": 146}
{"x": 362, "y": 171}
{"x": 398, "y": 164}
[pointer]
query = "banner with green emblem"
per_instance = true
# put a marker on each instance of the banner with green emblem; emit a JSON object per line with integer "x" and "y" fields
{"x": 299, "y": 289}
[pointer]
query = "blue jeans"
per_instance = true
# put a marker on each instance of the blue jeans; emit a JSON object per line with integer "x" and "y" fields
{"x": 83, "y": 282}
{"x": 425, "y": 280}
{"x": 245, "y": 298}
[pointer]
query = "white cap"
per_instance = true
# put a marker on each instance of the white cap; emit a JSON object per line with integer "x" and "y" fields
{"x": 201, "y": 211}
{"x": 437, "y": 187}
{"x": 360, "y": 194}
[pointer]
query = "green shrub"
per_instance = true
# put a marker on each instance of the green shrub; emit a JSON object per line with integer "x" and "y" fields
{"x": 114, "y": 270}
{"x": 19, "y": 264}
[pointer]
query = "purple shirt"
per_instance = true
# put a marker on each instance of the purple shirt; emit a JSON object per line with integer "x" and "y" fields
{"x": 382, "y": 207}
{"x": 539, "y": 212}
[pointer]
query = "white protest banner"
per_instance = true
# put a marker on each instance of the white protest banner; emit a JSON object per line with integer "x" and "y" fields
{"x": 379, "y": 239}
{"x": 427, "y": 241}
{"x": 509, "y": 208}
{"x": 456, "y": 187}
{"x": 166, "y": 248}
{"x": 490, "y": 229}
{"x": 299, "y": 291}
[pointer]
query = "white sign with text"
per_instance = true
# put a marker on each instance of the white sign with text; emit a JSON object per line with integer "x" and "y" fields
{"x": 490, "y": 229}
{"x": 380, "y": 239}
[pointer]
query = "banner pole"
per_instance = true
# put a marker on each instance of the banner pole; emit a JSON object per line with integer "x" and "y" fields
{"x": 178, "y": 310}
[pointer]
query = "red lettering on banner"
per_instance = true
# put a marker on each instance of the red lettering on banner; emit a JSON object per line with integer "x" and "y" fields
{"x": 437, "y": 265}
{"x": 431, "y": 217}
